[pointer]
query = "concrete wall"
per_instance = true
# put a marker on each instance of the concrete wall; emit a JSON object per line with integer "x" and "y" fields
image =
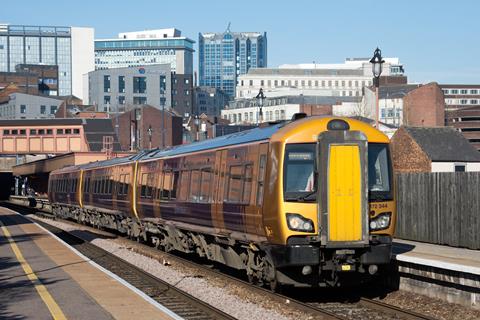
{"x": 12, "y": 109}
{"x": 450, "y": 166}
{"x": 83, "y": 58}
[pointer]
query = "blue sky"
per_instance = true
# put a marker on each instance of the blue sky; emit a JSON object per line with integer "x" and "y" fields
{"x": 435, "y": 40}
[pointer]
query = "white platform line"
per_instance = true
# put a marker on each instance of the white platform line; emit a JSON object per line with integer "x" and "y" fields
{"x": 110, "y": 274}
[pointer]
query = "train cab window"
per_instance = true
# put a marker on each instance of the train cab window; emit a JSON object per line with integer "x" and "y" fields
{"x": 184, "y": 184}
{"x": 247, "y": 185}
{"x": 205, "y": 185}
{"x": 195, "y": 186}
{"x": 379, "y": 172}
{"x": 299, "y": 172}
{"x": 235, "y": 184}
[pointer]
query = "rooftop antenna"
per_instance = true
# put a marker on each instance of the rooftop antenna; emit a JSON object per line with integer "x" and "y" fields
{"x": 228, "y": 27}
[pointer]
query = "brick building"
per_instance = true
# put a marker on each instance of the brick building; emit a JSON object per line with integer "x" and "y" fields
{"x": 32, "y": 79}
{"x": 467, "y": 121}
{"x": 141, "y": 128}
{"x": 424, "y": 106}
{"x": 432, "y": 149}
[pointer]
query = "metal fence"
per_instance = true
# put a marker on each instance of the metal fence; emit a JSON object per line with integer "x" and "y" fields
{"x": 439, "y": 208}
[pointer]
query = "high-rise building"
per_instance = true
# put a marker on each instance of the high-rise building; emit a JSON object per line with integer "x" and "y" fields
{"x": 133, "y": 49}
{"x": 225, "y": 56}
{"x": 69, "y": 48}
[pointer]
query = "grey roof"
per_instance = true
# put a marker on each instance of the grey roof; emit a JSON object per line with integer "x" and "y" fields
{"x": 396, "y": 91}
{"x": 96, "y": 129}
{"x": 257, "y": 134}
{"x": 305, "y": 72}
{"x": 444, "y": 144}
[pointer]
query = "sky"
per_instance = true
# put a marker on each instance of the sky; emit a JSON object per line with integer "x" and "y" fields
{"x": 435, "y": 40}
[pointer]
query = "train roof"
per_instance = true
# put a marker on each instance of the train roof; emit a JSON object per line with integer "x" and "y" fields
{"x": 237, "y": 138}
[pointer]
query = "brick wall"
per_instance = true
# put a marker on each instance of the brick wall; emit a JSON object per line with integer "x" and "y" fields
{"x": 424, "y": 106}
{"x": 316, "y": 110}
{"x": 150, "y": 117}
{"x": 407, "y": 155}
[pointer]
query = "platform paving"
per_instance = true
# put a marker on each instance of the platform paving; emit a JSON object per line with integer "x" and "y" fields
{"x": 41, "y": 278}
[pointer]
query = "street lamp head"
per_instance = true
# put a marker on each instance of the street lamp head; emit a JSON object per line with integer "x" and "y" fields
{"x": 149, "y": 130}
{"x": 260, "y": 98}
{"x": 197, "y": 120}
{"x": 377, "y": 62}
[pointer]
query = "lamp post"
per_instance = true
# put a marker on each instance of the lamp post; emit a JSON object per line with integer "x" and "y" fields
{"x": 149, "y": 132}
{"x": 197, "y": 124}
{"x": 260, "y": 99}
{"x": 162, "y": 104}
{"x": 377, "y": 62}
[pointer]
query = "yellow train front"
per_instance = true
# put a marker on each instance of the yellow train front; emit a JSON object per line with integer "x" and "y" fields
{"x": 330, "y": 212}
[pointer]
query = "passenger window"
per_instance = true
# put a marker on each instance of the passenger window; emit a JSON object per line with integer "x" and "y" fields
{"x": 247, "y": 186}
{"x": 184, "y": 183}
{"x": 195, "y": 186}
{"x": 143, "y": 187}
{"x": 173, "y": 193}
{"x": 235, "y": 184}
{"x": 261, "y": 177}
{"x": 206, "y": 182}
{"x": 167, "y": 185}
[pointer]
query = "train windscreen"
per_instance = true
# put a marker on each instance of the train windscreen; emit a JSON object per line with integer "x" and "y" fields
{"x": 379, "y": 172}
{"x": 299, "y": 182}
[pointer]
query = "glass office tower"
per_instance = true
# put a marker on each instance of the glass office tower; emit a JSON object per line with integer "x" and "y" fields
{"x": 225, "y": 56}
{"x": 69, "y": 48}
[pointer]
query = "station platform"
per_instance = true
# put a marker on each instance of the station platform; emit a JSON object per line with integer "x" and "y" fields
{"x": 438, "y": 256}
{"x": 43, "y": 278}
{"x": 443, "y": 272}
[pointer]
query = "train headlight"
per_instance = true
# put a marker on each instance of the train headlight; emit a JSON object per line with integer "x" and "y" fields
{"x": 297, "y": 222}
{"x": 382, "y": 221}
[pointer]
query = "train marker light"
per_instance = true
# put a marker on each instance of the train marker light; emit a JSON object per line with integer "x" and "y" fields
{"x": 297, "y": 222}
{"x": 338, "y": 124}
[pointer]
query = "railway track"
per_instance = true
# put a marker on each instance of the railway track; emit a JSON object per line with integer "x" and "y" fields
{"x": 364, "y": 308}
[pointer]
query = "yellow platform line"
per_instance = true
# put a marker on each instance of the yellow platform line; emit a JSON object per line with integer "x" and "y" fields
{"x": 52, "y": 306}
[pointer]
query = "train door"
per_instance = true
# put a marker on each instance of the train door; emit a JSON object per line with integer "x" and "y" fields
{"x": 218, "y": 190}
{"x": 259, "y": 189}
{"x": 343, "y": 190}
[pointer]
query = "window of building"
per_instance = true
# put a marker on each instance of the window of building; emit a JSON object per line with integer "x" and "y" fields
{"x": 121, "y": 99}
{"x": 343, "y": 83}
{"x": 106, "y": 83}
{"x": 139, "y": 100}
{"x": 23, "y": 108}
{"x": 23, "y": 132}
{"x": 59, "y": 131}
{"x": 283, "y": 83}
{"x": 187, "y": 92}
{"x": 41, "y": 131}
{"x": 463, "y": 91}
{"x": 454, "y": 91}
{"x": 250, "y": 82}
{"x": 106, "y": 100}
{"x": 261, "y": 83}
{"x": 473, "y": 101}
{"x": 15, "y": 131}
{"x": 49, "y": 131}
{"x": 445, "y": 91}
{"x": 139, "y": 84}
{"x": 6, "y": 132}
{"x": 186, "y": 81}
{"x": 33, "y": 131}
{"x": 68, "y": 131}
{"x": 121, "y": 84}
{"x": 474, "y": 91}
{"x": 241, "y": 83}
{"x": 43, "y": 109}
{"x": 329, "y": 83}
{"x": 463, "y": 101}
{"x": 53, "y": 109}
{"x": 303, "y": 83}
{"x": 76, "y": 131}
{"x": 316, "y": 83}
{"x": 296, "y": 83}
{"x": 275, "y": 83}
{"x": 336, "y": 83}
{"x": 459, "y": 168}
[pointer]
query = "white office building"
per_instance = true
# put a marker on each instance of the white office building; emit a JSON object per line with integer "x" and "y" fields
{"x": 132, "y": 49}
{"x": 342, "y": 80}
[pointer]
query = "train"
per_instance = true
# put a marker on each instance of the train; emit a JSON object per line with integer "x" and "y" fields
{"x": 306, "y": 203}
